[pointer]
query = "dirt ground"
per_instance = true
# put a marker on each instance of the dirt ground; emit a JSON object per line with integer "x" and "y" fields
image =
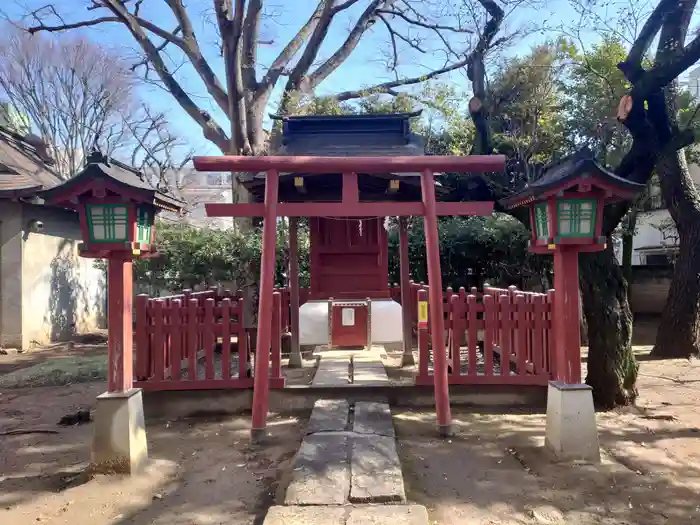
{"x": 496, "y": 472}
{"x": 204, "y": 471}
{"x": 493, "y": 472}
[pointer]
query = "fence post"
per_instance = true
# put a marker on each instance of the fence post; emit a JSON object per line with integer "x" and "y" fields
{"x": 490, "y": 328}
{"x": 276, "y": 341}
{"x": 472, "y": 332}
{"x": 175, "y": 339}
{"x": 192, "y": 339}
{"x": 457, "y": 327}
{"x": 226, "y": 338}
{"x": 423, "y": 350}
{"x": 208, "y": 338}
{"x": 143, "y": 348}
{"x": 538, "y": 331}
{"x": 158, "y": 340}
{"x": 521, "y": 331}
{"x": 551, "y": 351}
{"x": 506, "y": 340}
{"x": 244, "y": 369}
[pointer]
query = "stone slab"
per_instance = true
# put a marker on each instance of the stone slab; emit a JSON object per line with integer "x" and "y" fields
{"x": 332, "y": 372}
{"x": 375, "y": 470}
{"x": 328, "y": 415}
{"x": 388, "y": 514}
{"x": 348, "y": 515}
{"x": 306, "y": 516}
{"x": 369, "y": 373}
{"x": 321, "y": 473}
{"x": 373, "y": 418}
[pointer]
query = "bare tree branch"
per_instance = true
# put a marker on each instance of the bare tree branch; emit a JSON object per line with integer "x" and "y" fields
{"x": 632, "y": 66}
{"x": 343, "y": 6}
{"x": 230, "y": 19}
{"x": 210, "y": 128}
{"x": 190, "y": 46}
{"x": 297, "y": 76}
{"x": 284, "y": 58}
{"x": 251, "y": 33}
{"x": 347, "y": 47}
{"x": 65, "y": 27}
{"x": 73, "y": 93}
{"x": 243, "y": 98}
{"x": 387, "y": 87}
{"x": 420, "y": 23}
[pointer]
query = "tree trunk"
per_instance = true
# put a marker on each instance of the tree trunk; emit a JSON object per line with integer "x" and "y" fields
{"x": 679, "y": 331}
{"x": 612, "y": 369}
{"x": 627, "y": 245}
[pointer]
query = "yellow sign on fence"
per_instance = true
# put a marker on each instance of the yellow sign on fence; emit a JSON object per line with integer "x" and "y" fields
{"x": 422, "y": 311}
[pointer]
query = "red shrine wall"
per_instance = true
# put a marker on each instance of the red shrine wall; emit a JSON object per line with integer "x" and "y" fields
{"x": 347, "y": 262}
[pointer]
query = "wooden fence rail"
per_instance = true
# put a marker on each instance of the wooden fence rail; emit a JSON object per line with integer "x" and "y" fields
{"x": 198, "y": 340}
{"x": 501, "y": 336}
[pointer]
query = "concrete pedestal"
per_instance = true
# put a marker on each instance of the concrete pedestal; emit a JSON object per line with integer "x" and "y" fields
{"x": 571, "y": 425}
{"x": 119, "y": 443}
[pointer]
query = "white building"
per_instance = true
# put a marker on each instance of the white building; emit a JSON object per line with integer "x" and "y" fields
{"x": 196, "y": 189}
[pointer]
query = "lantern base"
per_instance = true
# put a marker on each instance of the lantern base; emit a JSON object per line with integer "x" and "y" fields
{"x": 571, "y": 426}
{"x": 119, "y": 444}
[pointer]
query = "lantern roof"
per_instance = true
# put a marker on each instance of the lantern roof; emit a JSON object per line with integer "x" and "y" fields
{"x": 103, "y": 176}
{"x": 579, "y": 171}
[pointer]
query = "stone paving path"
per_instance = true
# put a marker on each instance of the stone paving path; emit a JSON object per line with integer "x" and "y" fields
{"x": 347, "y": 470}
{"x": 338, "y": 368}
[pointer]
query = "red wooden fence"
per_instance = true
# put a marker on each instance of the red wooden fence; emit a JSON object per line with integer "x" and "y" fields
{"x": 198, "y": 340}
{"x": 501, "y": 336}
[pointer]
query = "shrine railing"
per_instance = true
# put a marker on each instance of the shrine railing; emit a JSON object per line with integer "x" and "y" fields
{"x": 199, "y": 340}
{"x": 500, "y": 336}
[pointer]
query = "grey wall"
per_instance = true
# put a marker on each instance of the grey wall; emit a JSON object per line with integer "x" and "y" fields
{"x": 47, "y": 292}
{"x": 10, "y": 274}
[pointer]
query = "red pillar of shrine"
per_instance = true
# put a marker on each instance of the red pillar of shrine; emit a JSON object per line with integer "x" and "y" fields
{"x": 407, "y": 358}
{"x": 432, "y": 248}
{"x": 295, "y": 356}
{"x": 267, "y": 282}
{"x": 120, "y": 327}
{"x": 567, "y": 327}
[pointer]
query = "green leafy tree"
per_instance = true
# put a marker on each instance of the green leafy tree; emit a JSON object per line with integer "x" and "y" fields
{"x": 612, "y": 370}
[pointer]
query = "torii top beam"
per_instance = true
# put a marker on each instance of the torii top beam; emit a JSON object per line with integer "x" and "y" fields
{"x": 321, "y": 165}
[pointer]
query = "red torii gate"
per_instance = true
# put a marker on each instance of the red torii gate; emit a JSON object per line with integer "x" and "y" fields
{"x": 350, "y": 206}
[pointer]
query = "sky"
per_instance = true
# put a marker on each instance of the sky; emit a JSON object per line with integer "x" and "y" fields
{"x": 366, "y": 65}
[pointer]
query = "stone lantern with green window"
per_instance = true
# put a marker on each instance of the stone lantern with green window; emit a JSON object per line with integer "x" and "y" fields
{"x": 566, "y": 204}
{"x": 117, "y": 208}
{"x": 566, "y": 214}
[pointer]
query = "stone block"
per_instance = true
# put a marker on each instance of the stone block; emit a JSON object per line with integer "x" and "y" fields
{"x": 375, "y": 470}
{"x": 373, "y": 418}
{"x": 332, "y": 372}
{"x": 369, "y": 373}
{"x": 388, "y": 514}
{"x": 306, "y": 516}
{"x": 571, "y": 426}
{"x": 119, "y": 442}
{"x": 321, "y": 473}
{"x": 328, "y": 415}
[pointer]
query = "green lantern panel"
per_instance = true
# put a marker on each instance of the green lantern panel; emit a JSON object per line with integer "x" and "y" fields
{"x": 144, "y": 221}
{"x": 107, "y": 222}
{"x": 576, "y": 218}
{"x": 542, "y": 221}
